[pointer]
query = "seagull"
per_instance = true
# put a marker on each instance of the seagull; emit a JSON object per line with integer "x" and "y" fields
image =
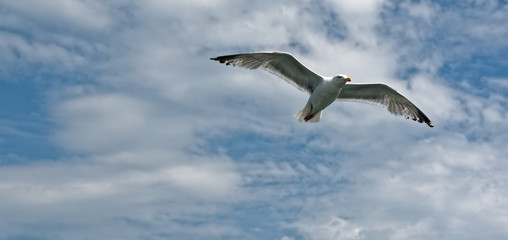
{"x": 324, "y": 90}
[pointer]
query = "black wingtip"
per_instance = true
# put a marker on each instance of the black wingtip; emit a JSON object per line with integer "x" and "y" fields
{"x": 422, "y": 118}
{"x": 221, "y": 59}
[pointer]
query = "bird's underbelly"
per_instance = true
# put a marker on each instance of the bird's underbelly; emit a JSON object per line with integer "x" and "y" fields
{"x": 322, "y": 98}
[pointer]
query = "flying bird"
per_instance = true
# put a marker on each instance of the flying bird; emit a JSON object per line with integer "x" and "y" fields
{"x": 324, "y": 90}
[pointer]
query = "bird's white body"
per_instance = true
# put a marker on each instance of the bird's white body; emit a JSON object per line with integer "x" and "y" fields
{"x": 324, "y": 95}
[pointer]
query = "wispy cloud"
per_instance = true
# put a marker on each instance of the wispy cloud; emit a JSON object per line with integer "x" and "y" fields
{"x": 155, "y": 141}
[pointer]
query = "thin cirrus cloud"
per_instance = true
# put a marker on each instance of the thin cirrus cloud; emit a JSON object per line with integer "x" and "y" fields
{"x": 153, "y": 140}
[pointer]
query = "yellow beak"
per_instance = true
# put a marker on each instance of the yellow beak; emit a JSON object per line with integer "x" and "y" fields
{"x": 347, "y": 79}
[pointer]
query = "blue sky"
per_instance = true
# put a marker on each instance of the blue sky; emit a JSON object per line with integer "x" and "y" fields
{"x": 114, "y": 123}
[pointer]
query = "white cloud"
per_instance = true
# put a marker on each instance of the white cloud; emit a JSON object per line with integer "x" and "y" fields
{"x": 334, "y": 228}
{"x": 154, "y": 145}
{"x": 89, "y": 15}
{"x": 112, "y": 190}
{"x": 286, "y": 238}
{"x": 102, "y": 121}
{"x": 360, "y": 17}
{"x": 423, "y": 10}
{"x": 500, "y": 83}
{"x": 410, "y": 197}
{"x": 17, "y": 50}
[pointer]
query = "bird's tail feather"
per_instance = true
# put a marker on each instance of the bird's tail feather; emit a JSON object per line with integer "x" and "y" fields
{"x": 305, "y": 112}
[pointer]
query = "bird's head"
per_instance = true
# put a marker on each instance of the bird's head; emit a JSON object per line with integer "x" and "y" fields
{"x": 340, "y": 80}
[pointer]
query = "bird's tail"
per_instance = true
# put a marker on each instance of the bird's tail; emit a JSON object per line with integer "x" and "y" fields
{"x": 305, "y": 115}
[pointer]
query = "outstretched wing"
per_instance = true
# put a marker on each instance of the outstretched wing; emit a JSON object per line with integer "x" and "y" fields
{"x": 284, "y": 65}
{"x": 383, "y": 95}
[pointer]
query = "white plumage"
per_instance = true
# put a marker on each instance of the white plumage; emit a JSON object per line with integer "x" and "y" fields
{"x": 324, "y": 90}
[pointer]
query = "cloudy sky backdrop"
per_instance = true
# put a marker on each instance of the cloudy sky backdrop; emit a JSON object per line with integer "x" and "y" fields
{"x": 114, "y": 123}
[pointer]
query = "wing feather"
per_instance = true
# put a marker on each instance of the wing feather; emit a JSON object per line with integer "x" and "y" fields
{"x": 283, "y": 65}
{"x": 382, "y": 94}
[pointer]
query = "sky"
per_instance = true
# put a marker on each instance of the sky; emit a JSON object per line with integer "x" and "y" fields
{"x": 115, "y": 124}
